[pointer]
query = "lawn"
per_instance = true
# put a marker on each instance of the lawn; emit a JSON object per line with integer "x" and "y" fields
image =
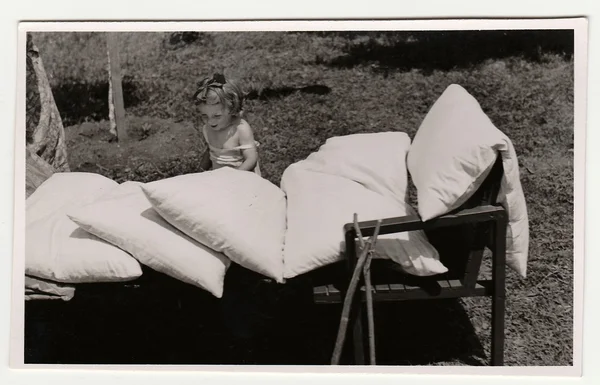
{"x": 306, "y": 87}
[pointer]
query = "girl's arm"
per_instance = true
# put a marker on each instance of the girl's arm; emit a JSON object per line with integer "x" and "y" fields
{"x": 250, "y": 154}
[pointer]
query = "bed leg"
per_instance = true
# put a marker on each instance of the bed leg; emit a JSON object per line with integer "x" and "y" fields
{"x": 357, "y": 336}
{"x": 498, "y": 297}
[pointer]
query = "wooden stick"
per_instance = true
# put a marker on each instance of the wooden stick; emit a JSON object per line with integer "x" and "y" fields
{"x": 361, "y": 241}
{"x": 339, "y": 344}
{"x": 370, "y": 316}
{"x": 368, "y": 293}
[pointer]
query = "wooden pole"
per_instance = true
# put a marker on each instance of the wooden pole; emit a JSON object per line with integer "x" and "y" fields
{"x": 368, "y": 293}
{"x": 117, "y": 89}
{"x": 341, "y": 337}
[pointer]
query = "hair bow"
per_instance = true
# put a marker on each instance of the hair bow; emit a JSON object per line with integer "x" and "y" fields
{"x": 217, "y": 81}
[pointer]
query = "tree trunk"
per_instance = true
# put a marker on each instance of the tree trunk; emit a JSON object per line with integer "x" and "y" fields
{"x": 116, "y": 89}
{"x": 111, "y": 102}
{"x": 45, "y": 134}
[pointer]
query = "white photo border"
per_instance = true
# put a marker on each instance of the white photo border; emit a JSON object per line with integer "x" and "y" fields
{"x": 579, "y": 25}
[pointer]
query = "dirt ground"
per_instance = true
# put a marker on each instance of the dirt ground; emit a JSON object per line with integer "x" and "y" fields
{"x": 155, "y": 148}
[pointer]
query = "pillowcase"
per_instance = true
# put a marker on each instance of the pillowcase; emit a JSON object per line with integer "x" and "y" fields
{"x": 234, "y": 212}
{"x": 126, "y": 219}
{"x": 319, "y": 205}
{"x": 452, "y": 152}
{"x": 57, "y": 249}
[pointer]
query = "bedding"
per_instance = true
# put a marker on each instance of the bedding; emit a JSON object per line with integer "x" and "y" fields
{"x": 453, "y": 151}
{"x": 57, "y": 249}
{"x": 326, "y": 189}
{"x": 125, "y": 218}
{"x": 37, "y": 288}
{"x": 234, "y": 212}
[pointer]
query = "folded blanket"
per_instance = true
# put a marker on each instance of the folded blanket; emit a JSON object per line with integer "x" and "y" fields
{"x": 38, "y": 288}
{"x": 512, "y": 198}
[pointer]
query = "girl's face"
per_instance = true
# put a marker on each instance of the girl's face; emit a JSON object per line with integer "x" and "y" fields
{"x": 216, "y": 116}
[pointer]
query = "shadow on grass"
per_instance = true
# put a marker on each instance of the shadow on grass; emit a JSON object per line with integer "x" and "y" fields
{"x": 280, "y": 92}
{"x": 181, "y": 39}
{"x": 78, "y": 102}
{"x": 445, "y": 50}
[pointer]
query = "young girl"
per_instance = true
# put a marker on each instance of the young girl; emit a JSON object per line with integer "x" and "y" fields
{"x": 230, "y": 140}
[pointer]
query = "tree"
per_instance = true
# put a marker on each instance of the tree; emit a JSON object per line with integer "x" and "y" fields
{"x": 45, "y": 134}
{"x": 46, "y": 150}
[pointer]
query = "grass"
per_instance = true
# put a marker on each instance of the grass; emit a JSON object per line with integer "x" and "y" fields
{"x": 340, "y": 83}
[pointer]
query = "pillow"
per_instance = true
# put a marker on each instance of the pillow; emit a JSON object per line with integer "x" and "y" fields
{"x": 125, "y": 218}
{"x": 452, "y": 152}
{"x": 63, "y": 190}
{"x": 57, "y": 249}
{"x": 319, "y": 205}
{"x": 375, "y": 160}
{"x": 234, "y": 212}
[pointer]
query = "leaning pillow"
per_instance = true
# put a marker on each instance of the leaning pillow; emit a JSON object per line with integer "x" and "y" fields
{"x": 452, "y": 152}
{"x": 125, "y": 218}
{"x": 56, "y": 248}
{"x": 234, "y": 212}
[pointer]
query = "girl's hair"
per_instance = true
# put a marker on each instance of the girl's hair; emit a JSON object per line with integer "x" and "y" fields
{"x": 217, "y": 90}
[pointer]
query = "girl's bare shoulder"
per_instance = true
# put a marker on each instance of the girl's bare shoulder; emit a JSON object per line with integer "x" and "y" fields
{"x": 244, "y": 128}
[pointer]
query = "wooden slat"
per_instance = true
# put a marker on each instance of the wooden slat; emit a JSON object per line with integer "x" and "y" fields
{"x": 419, "y": 293}
{"x": 410, "y": 288}
{"x": 444, "y": 284}
{"x": 482, "y": 288}
{"x": 320, "y": 290}
{"x": 381, "y": 289}
{"x": 397, "y": 287}
{"x": 414, "y": 222}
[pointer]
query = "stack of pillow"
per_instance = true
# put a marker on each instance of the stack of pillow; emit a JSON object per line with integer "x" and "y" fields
{"x": 84, "y": 227}
{"x": 57, "y": 252}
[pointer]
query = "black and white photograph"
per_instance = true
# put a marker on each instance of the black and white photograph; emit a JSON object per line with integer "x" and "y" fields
{"x": 336, "y": 194}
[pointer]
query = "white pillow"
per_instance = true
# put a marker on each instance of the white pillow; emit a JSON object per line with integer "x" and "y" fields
{"x": 452, "y": 152}
{"x": 125, "y": 218}
{"x": 231, "y": 211}
{"x": 57, "y": 249}
{"x": 319, "y": 205}
{"x": 375, "y": 160}
{"x": 63, "y": 190}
